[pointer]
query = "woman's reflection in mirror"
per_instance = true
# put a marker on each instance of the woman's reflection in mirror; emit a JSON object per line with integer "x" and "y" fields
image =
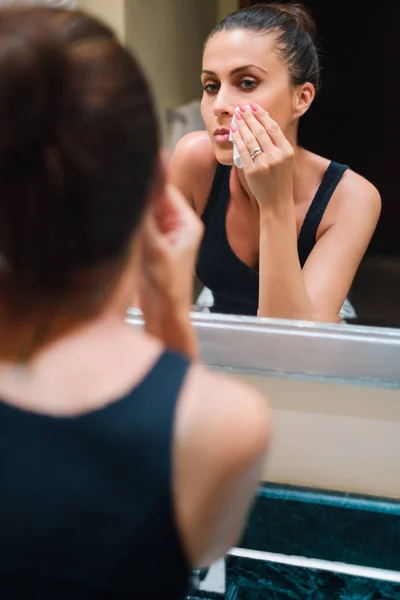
{"x": 285, "y": 234}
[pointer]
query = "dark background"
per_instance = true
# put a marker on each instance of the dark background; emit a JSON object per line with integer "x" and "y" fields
{"x": 355, "y": 121}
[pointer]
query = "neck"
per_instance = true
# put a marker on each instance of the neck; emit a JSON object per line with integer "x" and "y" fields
{"x": 28, "y": 327}
{"x": 26, "y": 333}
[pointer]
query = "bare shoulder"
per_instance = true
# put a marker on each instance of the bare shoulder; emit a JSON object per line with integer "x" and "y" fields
{"x": 355, "y": 198}
{"x": 195, "y": 146}
{"x": 220, "y": 437}
{"x": 357, "y": 192}
{"x": 231, "y": 415}
{"x": 357, "y": 205}
{"x": 192, "y": 167}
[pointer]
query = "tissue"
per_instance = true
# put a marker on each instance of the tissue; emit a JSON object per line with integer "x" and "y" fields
{"x": 236, "y": 156}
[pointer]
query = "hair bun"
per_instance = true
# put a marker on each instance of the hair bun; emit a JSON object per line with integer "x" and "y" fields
{"x": 301, "y": 14}
{"x": 32, "y": 76}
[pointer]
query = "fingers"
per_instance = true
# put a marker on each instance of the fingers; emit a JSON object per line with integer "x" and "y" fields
{"x": 165, "y": 156}
{"x": 253, "y": 132}
{"x": 256, "y": 114}
{"x": 185, "y": 216}
{"x": 241, "y": 146}
{"x": 177, "y": 203}
{"x": 152, "y": 237}
{"x": 255, "y": 129}
{"x": 174, "y": 221}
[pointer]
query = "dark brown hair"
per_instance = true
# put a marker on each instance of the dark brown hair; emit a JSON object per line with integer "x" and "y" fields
{"x": 78, "y": 152}
{"x": 296, "y": 35}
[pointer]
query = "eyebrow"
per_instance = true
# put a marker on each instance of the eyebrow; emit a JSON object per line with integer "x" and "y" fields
{"x": 235, "y": 71}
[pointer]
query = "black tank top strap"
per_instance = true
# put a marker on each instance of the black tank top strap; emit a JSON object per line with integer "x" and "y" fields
{"x": 308, "y": 233}
{"x": 167, "y": 374}
{"x": 219, "y": 191}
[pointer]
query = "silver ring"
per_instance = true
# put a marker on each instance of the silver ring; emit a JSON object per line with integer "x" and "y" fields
{"x": 256, "y": 152}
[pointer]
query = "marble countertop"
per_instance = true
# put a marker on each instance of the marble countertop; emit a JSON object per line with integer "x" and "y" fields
{"x": 305, "y": 543}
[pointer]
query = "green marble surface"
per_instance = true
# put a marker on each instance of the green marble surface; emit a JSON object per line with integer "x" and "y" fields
{"x": 261, "y": 580}
{"x": 329, "y": 526}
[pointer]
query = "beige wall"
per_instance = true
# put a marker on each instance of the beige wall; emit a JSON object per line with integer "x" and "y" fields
{"x": 225, "y": 7}
{"x": 110, "y": 11}
{"x": 113, "y": 11}
{"x": 334, "y": 436}
{"x": 168, "y": 36}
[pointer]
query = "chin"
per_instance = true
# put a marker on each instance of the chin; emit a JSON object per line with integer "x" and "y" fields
{"x": 224, "y": 157}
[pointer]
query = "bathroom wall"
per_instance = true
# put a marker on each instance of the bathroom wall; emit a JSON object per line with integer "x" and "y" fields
{"x": 225, "y": 7}
{"x": 111, "y": 11}
{"x": 167, "y": 36}
{"x": 333, "y": 436}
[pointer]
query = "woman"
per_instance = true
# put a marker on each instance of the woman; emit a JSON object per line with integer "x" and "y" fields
{"x": 284, "y": 235}
{"x": 123, "y": 464}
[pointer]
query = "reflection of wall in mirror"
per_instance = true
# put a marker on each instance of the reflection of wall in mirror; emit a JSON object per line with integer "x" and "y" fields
{"x": 110, "y": 11}
{"x": 225, "y": 7}
{"x": 168, "y": 38}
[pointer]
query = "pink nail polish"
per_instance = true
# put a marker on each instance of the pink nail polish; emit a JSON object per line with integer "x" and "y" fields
{"x": 243, "y": 107}
{"x": 233, "y": 128}
{"x": 254, "y": 106}
{"x": 238, "y": 114}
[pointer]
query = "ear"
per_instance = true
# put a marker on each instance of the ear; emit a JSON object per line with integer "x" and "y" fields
{"x": 302, "y": 99}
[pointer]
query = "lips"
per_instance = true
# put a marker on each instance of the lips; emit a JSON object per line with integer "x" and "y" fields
{"x": 221, "y": 131}
{"x": 222, "y": 135}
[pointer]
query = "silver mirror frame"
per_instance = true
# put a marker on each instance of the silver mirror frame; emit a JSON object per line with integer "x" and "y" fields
{"x": 296, "y": 349}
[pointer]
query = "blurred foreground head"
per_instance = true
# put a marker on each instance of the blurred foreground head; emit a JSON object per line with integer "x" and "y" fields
{"x": 78, "y": 154}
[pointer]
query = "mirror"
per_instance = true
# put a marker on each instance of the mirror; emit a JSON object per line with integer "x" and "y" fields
{"x": 339, "y": 125}
{"x": 348, "y": 122}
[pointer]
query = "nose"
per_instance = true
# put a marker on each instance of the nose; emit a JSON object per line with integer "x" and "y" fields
{"x": 222, "y": 106}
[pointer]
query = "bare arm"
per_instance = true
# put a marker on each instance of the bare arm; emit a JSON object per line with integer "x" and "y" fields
{"x": 332, "y": 265}
{"x": 222, "y": 431}
{"x": 169, "y": 242}
{"x": 186, "y": 172}
{"x": 318, "y": 291}
{"x": 282, "y": 290}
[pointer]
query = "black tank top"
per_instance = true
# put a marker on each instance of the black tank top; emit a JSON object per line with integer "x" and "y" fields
{"x": 235, "y": 285}
{"x": 86, "y": 502}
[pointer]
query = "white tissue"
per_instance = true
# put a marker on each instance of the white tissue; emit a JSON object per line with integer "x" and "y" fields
{"x": 236, "y": 156}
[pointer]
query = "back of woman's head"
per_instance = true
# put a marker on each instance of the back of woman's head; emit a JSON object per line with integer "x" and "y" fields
{"x": 296, "y": 33}
{"x": 78, "y": 150}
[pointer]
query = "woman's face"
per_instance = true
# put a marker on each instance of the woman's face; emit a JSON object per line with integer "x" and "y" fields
{"x": 240, "y": 66}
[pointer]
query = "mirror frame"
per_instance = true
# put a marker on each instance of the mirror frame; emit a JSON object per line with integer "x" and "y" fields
{"x": 296, "y": 349}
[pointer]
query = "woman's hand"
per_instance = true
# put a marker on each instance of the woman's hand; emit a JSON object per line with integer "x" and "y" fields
{"x": 269, "y": 172}
{"x": 170, "y": 241}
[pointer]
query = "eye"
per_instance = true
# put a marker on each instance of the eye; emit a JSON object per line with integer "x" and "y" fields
{"x": 210, "y": 88}
{"x": 248, "y": 84}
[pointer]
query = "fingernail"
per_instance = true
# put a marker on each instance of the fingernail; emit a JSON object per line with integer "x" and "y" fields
{"x": 238, "y": 114}
{"x": 253, "y": 106}
{"x": 242, "y": 107}
{"x": 233, "y": 128}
